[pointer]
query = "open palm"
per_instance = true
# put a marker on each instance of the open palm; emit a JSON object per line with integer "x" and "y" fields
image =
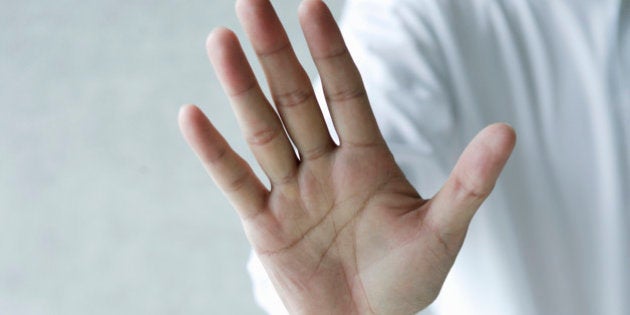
{"x": 341, "y": 231}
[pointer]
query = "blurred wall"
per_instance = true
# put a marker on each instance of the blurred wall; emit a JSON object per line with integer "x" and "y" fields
{"x": 103, "y": 207}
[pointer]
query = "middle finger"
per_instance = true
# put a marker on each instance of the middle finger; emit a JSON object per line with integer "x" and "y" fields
{"x": 290, "y": 86}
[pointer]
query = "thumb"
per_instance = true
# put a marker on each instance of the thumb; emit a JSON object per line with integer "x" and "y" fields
{"x": 470, "y": 182}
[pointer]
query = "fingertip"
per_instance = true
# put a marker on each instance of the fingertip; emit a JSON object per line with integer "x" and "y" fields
{"x": 309, "y": 5}
{"x": 218, "y": 37}
{"x": 501, "y": 137}
{"x": 191, "y": 120}
{"x": 504, "y": 130}
{"x": 229, "y": 61}
{"x": 182, "y": 113}
{"x": 186, "y": 108}
{"x": 185, "y": 112}
{"x": 320, "y": 29}
{"x": 312, "y": 11}
{"x": 184, "y": 118}
{"x": 488, "y": 152}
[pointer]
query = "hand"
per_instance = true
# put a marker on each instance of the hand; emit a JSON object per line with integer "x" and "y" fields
{"x": 341, "y": 231}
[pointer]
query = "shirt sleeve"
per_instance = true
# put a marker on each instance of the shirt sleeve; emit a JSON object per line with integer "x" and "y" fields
{"x": 394, "y": 48}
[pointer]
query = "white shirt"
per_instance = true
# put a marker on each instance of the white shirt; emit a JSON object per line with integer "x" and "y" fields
{"x": 554, "y": 237}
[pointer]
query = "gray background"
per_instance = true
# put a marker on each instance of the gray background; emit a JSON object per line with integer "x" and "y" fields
{"x": 103, "y": 207}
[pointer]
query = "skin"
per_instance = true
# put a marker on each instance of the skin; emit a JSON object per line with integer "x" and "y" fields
{"x": 341, "y": 230}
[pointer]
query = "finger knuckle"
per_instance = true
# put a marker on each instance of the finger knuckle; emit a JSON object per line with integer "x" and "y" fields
{"x": 293, "y": 98}
{"x": 237, "y": 183}
{"x": 314, "y": 153}
{"x": 471, "y": 189}
{"x": 263, "y": 136}
{"x": 345, "y": 94}
{"x": 217, "y": 156}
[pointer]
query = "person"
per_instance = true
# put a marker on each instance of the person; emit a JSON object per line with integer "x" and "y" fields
{"x": 347, "y": 226}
